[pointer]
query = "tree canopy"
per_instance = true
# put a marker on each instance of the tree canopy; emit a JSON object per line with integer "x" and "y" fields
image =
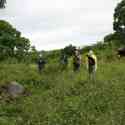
{"x": 118, "y": 25}
{"x": 119, "y": 18}
{"x": 11, "y": 40}
{"x": 2, "y": 3}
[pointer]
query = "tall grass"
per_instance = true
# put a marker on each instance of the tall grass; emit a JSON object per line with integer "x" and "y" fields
{"x": 65, "y": 97}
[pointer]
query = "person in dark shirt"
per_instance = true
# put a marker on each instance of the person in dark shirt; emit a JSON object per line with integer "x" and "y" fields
{"x": 91, "y": 62}
{"x": 41, "y": 63}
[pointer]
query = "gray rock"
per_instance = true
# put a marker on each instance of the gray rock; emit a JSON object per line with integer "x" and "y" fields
{"x": 15, "y": 89}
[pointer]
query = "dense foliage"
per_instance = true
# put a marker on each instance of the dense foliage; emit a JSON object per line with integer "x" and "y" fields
{"x": 11, "y": 42}
{"x": 119, "y": 17}
{"x": 2, "y": 3}
{"x": 118, "y": 36}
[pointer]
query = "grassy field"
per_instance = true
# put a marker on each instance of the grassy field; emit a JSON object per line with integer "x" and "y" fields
{"x": 65, "y": 98}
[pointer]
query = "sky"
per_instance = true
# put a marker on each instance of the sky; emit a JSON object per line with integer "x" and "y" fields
{"x": 54, "y": 24}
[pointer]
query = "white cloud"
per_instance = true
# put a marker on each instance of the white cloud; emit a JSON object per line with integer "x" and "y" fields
{"x": 53, "y": 24}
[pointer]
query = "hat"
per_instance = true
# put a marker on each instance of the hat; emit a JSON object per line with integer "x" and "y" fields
{"x": 90, "y": 52}
{"x": 40, "y": 55}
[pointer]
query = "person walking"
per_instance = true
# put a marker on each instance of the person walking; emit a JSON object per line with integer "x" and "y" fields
{"x": 41, "y": 63}
{"x": 76, "y": 60}
{"x": 63, "y": 61}
{"x": 91, "y": 65}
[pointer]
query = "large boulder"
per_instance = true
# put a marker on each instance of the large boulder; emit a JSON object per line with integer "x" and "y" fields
{"x": 14, "y": 89}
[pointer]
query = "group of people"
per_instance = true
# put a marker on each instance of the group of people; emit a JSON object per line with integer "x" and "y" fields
{"x": 91, "y": 62}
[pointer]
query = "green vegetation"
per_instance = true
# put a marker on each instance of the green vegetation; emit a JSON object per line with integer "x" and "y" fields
{"x": 65, "y": 97}
{"x": 119, "y": 18}
{"x": 12, "y": 44}
{"x": 118, "y": 25}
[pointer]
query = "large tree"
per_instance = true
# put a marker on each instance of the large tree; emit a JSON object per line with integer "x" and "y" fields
{"x": 119, "y": 18}
{"x": 118, "y": 25}
{"x": 11, "y": 40}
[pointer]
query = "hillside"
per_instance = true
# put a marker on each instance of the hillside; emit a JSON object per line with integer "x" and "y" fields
{"x": 65, "y": 98}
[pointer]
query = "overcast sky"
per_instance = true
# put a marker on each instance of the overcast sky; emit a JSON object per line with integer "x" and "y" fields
{"x": 52, "y": 24}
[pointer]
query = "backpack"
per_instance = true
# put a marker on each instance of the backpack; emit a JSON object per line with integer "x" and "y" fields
{"x": 77, "y": 59}
{"x": 91, "y": 61}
